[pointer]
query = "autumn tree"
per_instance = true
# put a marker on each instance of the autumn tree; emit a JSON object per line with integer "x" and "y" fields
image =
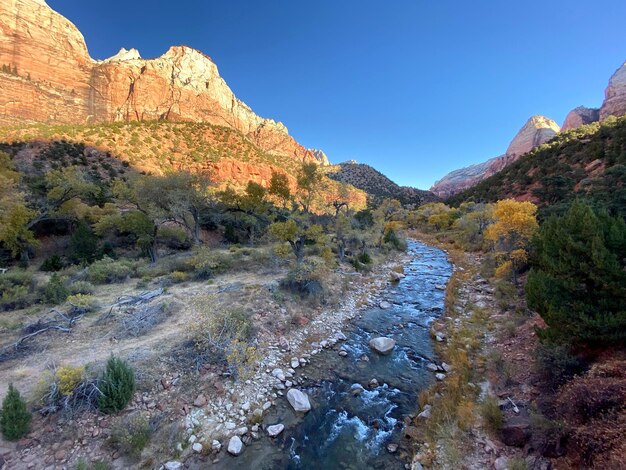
{"x": 279, "y": 188}
{"x": 514, "y": 225}
{"x": 296, "y": 235}
{"x": 309, "y": 179}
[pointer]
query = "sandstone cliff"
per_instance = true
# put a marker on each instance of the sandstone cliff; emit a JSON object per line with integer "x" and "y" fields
{"x": 536, "y": 131}
{"x": 580, "y": 116}
{"x": 615, "y": 95}
{"x": 48, "y": 76}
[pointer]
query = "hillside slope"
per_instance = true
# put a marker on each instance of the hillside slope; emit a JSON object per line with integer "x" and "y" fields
{"x": 589, "y": 161}
{"x": 376, "y": 185}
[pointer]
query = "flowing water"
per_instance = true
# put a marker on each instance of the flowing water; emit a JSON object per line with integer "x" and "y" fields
{"x": 347, "y": 431}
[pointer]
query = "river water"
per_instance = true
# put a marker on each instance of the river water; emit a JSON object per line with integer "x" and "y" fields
{"x": 348, "y": 431}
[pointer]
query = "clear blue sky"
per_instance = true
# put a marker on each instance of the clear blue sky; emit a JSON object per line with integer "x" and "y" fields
{"x": 415, "y": 88}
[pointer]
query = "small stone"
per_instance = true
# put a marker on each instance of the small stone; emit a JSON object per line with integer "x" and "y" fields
{"x": 295, "y": 363}
{"x": 446, "y": 367}
{"x": 246, "y": 406}
{"x": 267, "y": 405}
{"x": 241, "y": 431}
{"x": 392, "y": 448}
{"x": 384, "y": 305}
{"x": 235, "y": 445}
{"x": 343, "y": 352}
{"x": 60, "y": 454}
{"x": 425, "y": 414}
{"x": 279, "y": 374}
{"x": 192, "y": 439}
{"x": 275, "y": 430}
{"x": 197, "y": 447}
{"x": 501, "y": 463}
{"x": 216, "y": 446}
{"x": 173, "y": 465}
{"x": 373, "y": 383}
{"x": 356, "y": 389}
{"x": 440, "y": 376}
{"x": 200, "y": 401}
{"x": 432, "y": 367}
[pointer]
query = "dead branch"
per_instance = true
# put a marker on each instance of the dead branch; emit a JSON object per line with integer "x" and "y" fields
{"x": 129, "y": 300}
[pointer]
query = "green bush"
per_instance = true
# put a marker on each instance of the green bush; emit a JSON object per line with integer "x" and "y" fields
{"x": 81, "y": 287}
{"x": 55, "y": 291}
{"x": 578, "y": 276}
{"x": 117, "y": 385}
{"x": 491, "y": 414}
{"x": 556, "y": 363}
{"x": 108, "y": 271}
{"x": 131, "y": 434}
{"x": 83, "y": 243}
{"x": 15, "y": 418}
{"x": 52, "y": 264}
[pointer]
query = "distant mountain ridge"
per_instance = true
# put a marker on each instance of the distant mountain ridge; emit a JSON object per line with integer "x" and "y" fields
{"x": 376, "y": 185}
{"x": 538, "y": 130}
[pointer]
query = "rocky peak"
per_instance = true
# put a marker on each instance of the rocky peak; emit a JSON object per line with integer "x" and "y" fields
{"x": 320, "y": 156}
{"x": 615, "y": 95}
{"x": 124, "y": 54}
{"x": 580, "y": 116}
{"x": 537, "y": 130}
{"x": 57, "y": 81}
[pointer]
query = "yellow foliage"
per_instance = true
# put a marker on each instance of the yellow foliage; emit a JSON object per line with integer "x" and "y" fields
{"x": 465, "y": 414}
{"x": 514, "y": 221}
{"x": 505, "y": 270}
{"x": 68, "y": 378}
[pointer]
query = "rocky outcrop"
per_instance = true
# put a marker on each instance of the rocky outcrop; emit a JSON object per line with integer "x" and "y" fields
{"x": 48, "y": 76}
{"x": 615, "y": 95}
{"x": 320, "y": 156}
{"x": 580, "y": 116}
{"x": 536, "y": 131}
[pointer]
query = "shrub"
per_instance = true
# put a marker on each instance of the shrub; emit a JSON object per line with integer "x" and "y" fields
{"x": 68, "y": 378}
{"x": 117, "y": 385}
{"x": 83, "y": 243}
{"x": 491, "y": 414}
{"x": 208, "y": 262}
{"x": 15, "y": 418}
{"x": 85, "y": 303}
{"x": 556, "y": 363}
{"x": 55, "y": 291}
{"x": 305, "y": 279}
{"x": 179, "y": 276}
{"x": 578, "y": 277}
{"x": 505, "y": 294}
{"x": 16, "y": 288}
{"x": 52, "y": 264}
{"x": 131, "y": 434}
{"x": 81, "y": 287}
{"x": 107, "y": 271}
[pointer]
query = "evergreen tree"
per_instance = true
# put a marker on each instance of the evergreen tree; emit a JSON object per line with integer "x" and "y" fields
{"x": 84, "y": 243}
{"x": 117, "y": 385}
{"x": 15, "y": 418}
{"x": 578, "y": 278}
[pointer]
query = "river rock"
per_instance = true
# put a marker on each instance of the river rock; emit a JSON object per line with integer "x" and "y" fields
{"x": 395, "y": 276}
{"x": 295, "y": 363}
{"x": 343, "y": 352}
{"x": 197, "y": 447}
{"x": 235, "y": 445}
{"x": 382, "y": 345}
{"x": 173, "y": 465}
{"x": 356, "y": 389}
{"x": 275, "y": 430}
{"x": 279, "y": 374}
{"x": 392, "y": 448}
{"x": 501, "y": 463}
{"x": 440, "y": 376}
{"x": 425, "y": 414}
{"x": 432, "y": 367}
{"x": 200, "y": 401}
{"x": 216, "y": 446}
{"x": 284, "y": 343}
{"x": 298, "y": 400}
{"x": 446, "y": 367}
{"x": 384, "y": 305}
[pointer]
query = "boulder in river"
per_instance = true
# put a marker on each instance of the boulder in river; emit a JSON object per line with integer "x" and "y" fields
{"x": 275, "y": 430}
{"x": 298, "y": 400}
{"x": 384, "y": 305}
{"x": 235, "y": 445}
{"x": 395, "y": 276}
{"x": 382, "y": 345}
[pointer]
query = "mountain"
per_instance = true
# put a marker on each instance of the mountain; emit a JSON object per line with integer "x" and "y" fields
{"x": 536, "y": 131}
{"x": 376, "y": 185}
{"x": 48, "y": 76}
{"x": 588, "y": 161}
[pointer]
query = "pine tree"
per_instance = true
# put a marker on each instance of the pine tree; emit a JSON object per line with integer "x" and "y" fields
{"x": 117, "y": 385}
{"x": 84, "y": 243}
{"x": 15, "y": 418}
{"x": 577, "y": 282}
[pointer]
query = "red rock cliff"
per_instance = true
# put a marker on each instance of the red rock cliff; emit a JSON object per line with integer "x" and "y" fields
{"x": 48, "y": 76}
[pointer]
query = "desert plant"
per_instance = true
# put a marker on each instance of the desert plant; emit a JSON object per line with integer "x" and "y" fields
{"x": 117, "y": 385}
{"x": 55, "y": 291}
{"x": 131, "y": 434}
{"x": 491, "y": 414}
{"x": 15, "y": 417}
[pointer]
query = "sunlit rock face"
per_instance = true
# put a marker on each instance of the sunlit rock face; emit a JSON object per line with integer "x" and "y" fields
{"x": 615, "y": 95}
{"x": 48, "y": 76}
{"x": 536, "y": 131}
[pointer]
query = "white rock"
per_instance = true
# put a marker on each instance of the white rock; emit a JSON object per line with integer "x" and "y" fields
{"x": 267, "y": 405}
{"x": 298, "y": 400}
{"x": 173, "y": 465}
{"x": 432, "y": 367}
{"x": 197, "y": 447}
{"x": 241, "y": 431}
{"x": 279, "y": 374}
{"x": 425, "y": 414}
{"x": 275, "y": 430}
{"x": 501, "y": 463}
{"x": 235, "y": 446}
{"x": 295, "y": 363}
{"x": 440, "y": 376}
{"x": 216, "y": 446}
{"x": 382, "y": 345}
{"x": 446, "y": 367}
{"x": 384, "y": 305}
{"x": 246, "y": 406}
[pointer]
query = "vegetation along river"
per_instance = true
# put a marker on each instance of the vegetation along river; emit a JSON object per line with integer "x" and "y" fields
{"x": 349, "y": 430}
